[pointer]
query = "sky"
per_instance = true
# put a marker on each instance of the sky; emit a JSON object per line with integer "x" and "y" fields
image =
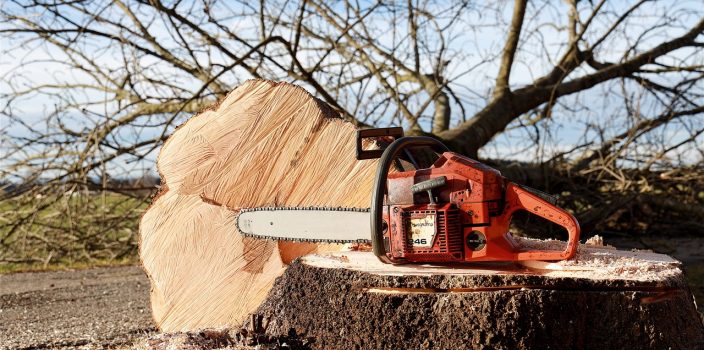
{"x": 479, "y": 38}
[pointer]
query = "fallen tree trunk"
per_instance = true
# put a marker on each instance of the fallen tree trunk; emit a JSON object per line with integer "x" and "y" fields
{"x": 265, "y": 144}
{"x": 604, "y": 299}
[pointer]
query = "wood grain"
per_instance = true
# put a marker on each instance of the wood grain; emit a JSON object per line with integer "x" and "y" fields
{"x": 265, "y": 144}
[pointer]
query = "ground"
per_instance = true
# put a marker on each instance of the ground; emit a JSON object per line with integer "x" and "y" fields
{"x": 100, "y": 307}
{"x": 109, "y": 306}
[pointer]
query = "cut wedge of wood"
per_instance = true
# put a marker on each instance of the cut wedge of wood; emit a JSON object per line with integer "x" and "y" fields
{"x": 265, "y": 144}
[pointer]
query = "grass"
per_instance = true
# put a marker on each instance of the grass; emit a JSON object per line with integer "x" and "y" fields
{"x": 6, "y": 268}
{"x": 68, "y": 230}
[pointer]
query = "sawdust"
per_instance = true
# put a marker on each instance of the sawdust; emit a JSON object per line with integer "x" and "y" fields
{"x": 596, "y": 260}
{"x": 597, "y": 241}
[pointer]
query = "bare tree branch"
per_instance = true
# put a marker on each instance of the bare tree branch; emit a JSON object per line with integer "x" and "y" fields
{"x": 509, "y": 52}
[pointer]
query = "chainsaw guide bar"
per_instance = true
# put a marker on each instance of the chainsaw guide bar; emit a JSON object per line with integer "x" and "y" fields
{"x": 306, "y": 224}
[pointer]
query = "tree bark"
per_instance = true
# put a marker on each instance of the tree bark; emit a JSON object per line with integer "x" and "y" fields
{"x": 608, "y": 300}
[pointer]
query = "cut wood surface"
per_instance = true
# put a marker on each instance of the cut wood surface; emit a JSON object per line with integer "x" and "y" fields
{"x": 265, "y": 144}
{"x": 608, "y": 299}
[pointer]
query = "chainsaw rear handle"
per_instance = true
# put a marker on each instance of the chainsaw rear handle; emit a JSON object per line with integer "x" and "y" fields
{"x": 387, "y": 158}
{"x": 519, "y": 198}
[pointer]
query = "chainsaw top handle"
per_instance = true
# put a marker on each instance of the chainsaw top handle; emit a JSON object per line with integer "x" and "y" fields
{"x": 387, "y": 158}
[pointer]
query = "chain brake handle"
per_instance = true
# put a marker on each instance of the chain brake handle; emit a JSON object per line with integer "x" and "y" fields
{"x": 394, "y": 133}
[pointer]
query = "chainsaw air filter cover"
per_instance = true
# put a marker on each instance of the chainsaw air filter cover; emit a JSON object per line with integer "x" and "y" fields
{"x": 428, "y": 232}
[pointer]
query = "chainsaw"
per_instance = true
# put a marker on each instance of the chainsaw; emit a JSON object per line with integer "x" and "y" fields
{"x": 457, "y": 210}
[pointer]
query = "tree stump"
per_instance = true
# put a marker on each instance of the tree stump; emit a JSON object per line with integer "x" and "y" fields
{"x": 604, "y": 299}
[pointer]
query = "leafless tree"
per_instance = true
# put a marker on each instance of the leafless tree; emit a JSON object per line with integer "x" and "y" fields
{"x": 623, "y": 82}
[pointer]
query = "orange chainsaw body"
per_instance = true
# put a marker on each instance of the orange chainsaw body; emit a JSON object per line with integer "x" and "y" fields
{"x": 466, "y": 218}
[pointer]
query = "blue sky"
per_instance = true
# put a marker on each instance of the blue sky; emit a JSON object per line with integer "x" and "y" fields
{"x": 477, "y": 41}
